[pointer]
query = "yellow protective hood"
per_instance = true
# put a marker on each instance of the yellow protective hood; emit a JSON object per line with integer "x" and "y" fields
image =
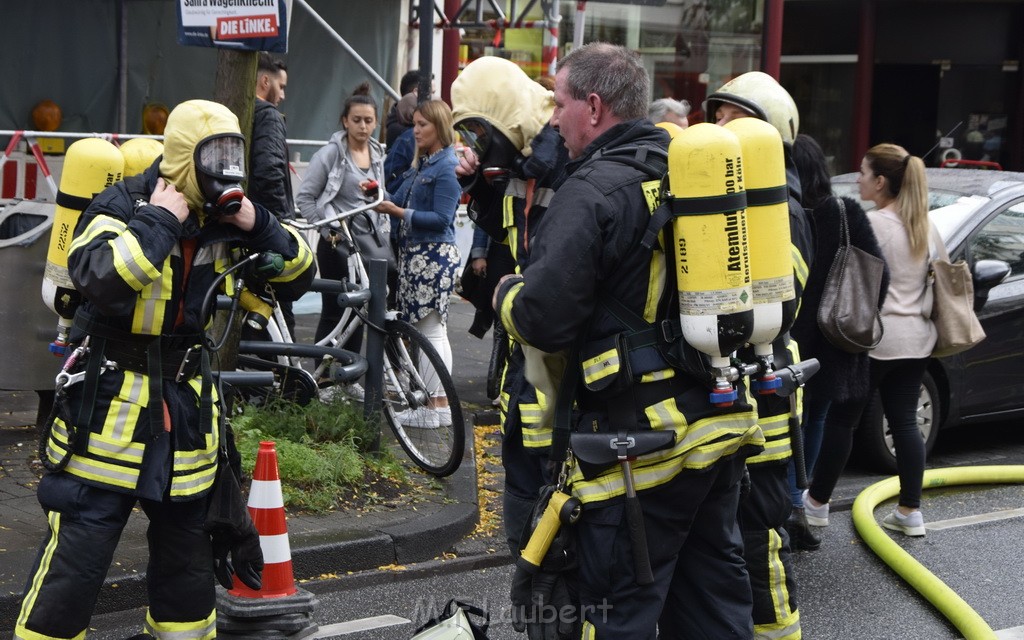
{"x": 189, "y": 124}
{"x": 499, "y": 91}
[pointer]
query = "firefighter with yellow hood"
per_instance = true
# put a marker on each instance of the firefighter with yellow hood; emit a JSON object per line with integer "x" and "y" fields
{"x": 517, "y": 158}
{"x": 141, "y": 422}
{"x": 514, "y": 160}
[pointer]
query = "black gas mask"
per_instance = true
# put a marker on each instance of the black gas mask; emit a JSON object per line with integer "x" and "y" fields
{"x": 499, "y": 158}
{"x": 220, "y": 169}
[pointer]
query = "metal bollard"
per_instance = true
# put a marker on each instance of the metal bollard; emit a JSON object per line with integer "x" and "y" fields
{"x": 373, "y": 389}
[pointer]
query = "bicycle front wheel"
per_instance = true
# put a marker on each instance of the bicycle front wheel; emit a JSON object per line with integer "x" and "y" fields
{"x": 420, "y": 402}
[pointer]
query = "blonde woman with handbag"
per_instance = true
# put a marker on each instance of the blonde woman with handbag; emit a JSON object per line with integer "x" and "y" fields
{"x": 895, "y": 181}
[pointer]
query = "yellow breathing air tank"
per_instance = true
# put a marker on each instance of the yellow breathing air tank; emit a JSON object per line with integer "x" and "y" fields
{"x": 771, "y": 263}
{"x": 139, "y": 154}
{"x": 90, "y": 166}
{"x": 672, "y": 128}
{"x": 706, "y": 183}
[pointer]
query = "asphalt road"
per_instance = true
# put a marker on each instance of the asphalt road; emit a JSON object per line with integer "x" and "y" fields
{"x": 845, "y": 591}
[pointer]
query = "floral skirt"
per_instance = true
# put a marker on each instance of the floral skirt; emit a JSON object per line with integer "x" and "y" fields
{"x": 426, "y": 279}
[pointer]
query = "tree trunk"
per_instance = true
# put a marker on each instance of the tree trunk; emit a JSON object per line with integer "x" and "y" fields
{"x": 235, "y": 89}
{"x": 236, "y": 85}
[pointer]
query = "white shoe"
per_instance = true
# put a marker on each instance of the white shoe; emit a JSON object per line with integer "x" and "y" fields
{"x": 817, "y": 516}
{"x": 421, "y": 418}
{"x": 444, "y": 416}
{"x": 911, "y": 524}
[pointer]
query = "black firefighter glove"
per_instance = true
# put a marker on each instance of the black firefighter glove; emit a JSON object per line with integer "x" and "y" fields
{"x": 236, "y": 543}
{"x": 544, "y": 602}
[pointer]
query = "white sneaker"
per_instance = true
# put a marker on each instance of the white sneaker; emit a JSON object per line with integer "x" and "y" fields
{"x": 444, "y": 416}
{"x": 421, "y": 418}
{"x": 354, "y": 391}
{"x": 817, "y": 516}
{"x": 911, "y": 524}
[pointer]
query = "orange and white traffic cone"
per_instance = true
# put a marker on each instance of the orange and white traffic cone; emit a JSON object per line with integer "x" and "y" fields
{"x": 266, "y": 507}
{"x": 279, "y": 609}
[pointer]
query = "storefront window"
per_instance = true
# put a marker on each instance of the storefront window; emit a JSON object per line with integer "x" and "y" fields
{"x": 690, "y": 47}
{"x": 821, "y": 90}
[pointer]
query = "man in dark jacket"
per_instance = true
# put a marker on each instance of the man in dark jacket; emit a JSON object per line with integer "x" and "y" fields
{"x": 270, "y": 181}
{"x": 586, "y": 259}
{"x": 395, "y": 124}
{"x": 142, "y": 426}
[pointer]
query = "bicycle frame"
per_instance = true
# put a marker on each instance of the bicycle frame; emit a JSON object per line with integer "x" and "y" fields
{"x": 412, "y": 371}
{"x": 350, "y": 320}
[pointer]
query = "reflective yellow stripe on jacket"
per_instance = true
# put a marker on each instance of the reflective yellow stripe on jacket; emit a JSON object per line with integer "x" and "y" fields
{"x": 111, "y": 458}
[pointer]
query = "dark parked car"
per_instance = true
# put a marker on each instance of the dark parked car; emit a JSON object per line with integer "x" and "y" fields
{"x": 980, "y": 215}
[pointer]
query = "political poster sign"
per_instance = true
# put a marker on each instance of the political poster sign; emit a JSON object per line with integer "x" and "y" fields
{"x": 250, "y": 25}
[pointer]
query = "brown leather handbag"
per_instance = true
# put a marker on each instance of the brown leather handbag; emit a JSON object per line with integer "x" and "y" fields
{"x": 849, "y": 316}
{"x": 956, "y": 323}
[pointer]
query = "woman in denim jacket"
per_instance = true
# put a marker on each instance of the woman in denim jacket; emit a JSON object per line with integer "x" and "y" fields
{"x": 424, "y": 211}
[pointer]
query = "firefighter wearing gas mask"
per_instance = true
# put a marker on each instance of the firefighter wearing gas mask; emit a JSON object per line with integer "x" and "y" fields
{"x": 141, "y": 422}
{"x": 764, "y": 511}
{"x": 517, "y": 157}
{"x": 513, "y": 161}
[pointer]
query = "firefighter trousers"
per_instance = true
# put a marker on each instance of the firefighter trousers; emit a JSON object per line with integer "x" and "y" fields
{"x": 762, "y": 516}
{"x": 700, "y": 590}
{"x": 85, "y": 526}
{"x": 525, "y": 474}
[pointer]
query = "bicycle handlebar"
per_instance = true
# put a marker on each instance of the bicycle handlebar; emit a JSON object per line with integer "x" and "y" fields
{"x": 306, "y": 225}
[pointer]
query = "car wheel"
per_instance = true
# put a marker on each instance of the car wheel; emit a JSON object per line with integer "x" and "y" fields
{"x": 874, "y": 445}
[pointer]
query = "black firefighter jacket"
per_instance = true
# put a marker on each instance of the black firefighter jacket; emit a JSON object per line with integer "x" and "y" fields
{"x": 586, "y": 250}
{"x": 128, "y": 260}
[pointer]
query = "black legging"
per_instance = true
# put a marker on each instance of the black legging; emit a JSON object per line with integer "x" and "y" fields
{"x": 899, "y": 384}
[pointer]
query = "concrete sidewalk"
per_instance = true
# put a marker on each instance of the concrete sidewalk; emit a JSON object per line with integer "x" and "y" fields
{"x": 336, "y": 543}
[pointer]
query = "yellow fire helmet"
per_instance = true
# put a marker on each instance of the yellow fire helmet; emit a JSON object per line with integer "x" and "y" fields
{"x": 763, "y": 97}
{"x": 188, "y": 124}
{"x": 498, "y": 91}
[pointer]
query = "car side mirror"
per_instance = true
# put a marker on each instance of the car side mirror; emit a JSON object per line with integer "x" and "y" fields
{"x": 987, "y": 274}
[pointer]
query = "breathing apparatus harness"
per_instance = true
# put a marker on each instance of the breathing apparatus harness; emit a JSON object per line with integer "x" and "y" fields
{"x": 167, "y": 357}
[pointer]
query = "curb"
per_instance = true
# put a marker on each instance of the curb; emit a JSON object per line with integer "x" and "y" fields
{"x": 415, "y": 541}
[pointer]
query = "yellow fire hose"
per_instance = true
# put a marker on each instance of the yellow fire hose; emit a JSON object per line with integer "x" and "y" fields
{"x": 924, "y": 581}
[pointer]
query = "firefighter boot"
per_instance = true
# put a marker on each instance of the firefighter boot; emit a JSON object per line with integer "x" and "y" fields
{"x": 801, "y": 536}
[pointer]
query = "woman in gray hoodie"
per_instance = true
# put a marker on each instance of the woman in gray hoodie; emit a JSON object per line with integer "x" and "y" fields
{"x": 333, "y": 183}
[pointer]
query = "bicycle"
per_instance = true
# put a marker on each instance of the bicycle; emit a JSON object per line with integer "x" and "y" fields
{"x": 416, "y": 381}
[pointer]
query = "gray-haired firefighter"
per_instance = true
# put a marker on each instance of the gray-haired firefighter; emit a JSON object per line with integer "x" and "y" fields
{"x": 658, "y": 545}
{"x": 141, "y": 423}
{"x": 765, "y": 509}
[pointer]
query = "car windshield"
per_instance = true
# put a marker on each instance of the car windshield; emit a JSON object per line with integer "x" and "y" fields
{"x": 948, "y": 218}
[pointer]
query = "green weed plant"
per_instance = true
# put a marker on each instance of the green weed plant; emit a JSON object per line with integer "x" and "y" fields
{"x": 325, "y": 451}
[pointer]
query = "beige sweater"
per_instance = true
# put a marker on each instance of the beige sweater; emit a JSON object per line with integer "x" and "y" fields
{"x": 909, "y": 332}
